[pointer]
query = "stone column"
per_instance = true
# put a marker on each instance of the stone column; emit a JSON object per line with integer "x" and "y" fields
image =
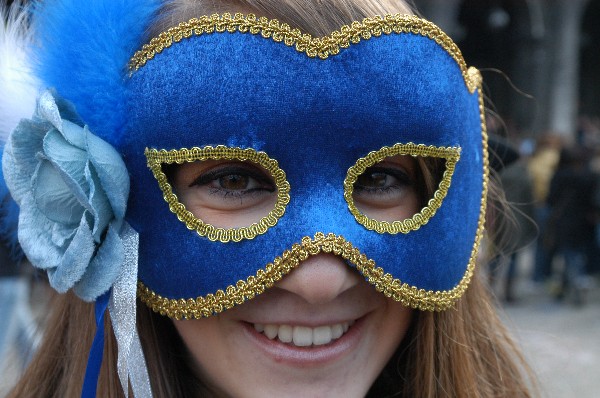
{"x": 565, "y": 21}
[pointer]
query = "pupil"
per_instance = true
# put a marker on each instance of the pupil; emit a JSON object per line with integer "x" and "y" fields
{"x": 373, "y": 180}
{"x": 234, "y": 182}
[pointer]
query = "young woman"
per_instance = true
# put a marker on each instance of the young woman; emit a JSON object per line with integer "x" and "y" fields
{"x": 298, "y": 216}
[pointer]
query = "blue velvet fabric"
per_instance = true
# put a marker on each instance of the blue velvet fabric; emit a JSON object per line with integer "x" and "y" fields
{"x": 316, "y": 118}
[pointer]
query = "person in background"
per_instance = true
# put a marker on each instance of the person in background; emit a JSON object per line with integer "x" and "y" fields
{"x": 542, "y": 166}
{"x": 571, "y": 219}
{"x": 519, "y": 229}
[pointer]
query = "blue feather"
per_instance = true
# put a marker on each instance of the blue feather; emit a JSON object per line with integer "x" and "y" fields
{"x": 83, "y": 51}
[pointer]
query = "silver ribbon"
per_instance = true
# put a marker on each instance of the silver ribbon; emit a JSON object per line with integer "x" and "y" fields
{"x": 131, "y": 363}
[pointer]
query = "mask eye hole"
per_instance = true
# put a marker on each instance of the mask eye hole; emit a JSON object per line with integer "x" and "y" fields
{"x": 223, "y": 193}
{"x": 397, "y": 189}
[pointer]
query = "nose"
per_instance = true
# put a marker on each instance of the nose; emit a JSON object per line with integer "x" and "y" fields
{"x": 320, "y": 278}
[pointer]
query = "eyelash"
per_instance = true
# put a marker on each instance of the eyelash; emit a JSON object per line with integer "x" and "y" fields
{"x": 266, "y": 185}
{"x": 403, "y": 180}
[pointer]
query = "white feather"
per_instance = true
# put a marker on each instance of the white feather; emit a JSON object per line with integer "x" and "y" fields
{"x": 18, "y": 86}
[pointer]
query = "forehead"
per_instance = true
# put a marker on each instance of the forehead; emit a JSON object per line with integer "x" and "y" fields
{"x": 244, "y": 90}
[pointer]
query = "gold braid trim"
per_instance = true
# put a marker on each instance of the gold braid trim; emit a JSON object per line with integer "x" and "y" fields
{"x": 410, "y": 296}
{"x": 322, "y": 47}
{"x": 157, "y": 157}
{"x": 273, "y": 272}
{"x": 451, "y": 154}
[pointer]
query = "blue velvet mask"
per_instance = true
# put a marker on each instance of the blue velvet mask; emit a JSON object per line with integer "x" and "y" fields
{"x": 316, "y": 114}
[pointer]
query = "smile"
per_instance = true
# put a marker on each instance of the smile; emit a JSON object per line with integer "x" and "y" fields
{"x": 304, "y": 336}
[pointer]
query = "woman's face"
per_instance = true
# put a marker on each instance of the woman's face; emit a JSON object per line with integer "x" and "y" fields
{"x": 321, "y": 331}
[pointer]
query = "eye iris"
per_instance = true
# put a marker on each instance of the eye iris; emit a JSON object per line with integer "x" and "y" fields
{"x": 234, "y": 182}
{"x": 372, "y": 180}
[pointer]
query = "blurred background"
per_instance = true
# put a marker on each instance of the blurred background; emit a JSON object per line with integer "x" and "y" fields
{"x": 540, "y": 60}
{"x": 549, "y": 49}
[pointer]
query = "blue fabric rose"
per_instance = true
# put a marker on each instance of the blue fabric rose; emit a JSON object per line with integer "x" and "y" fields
{"x": 72, "y": 189}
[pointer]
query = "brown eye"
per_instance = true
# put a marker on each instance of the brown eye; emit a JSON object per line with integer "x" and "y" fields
{"x": 235, "y": 179}
{"x": 388, "y": 190}
{"x": 224, "y": 193}
{"x": 373, "y": 180}
{"x": 234, "y": 182}
{"x": 398, "y": 189}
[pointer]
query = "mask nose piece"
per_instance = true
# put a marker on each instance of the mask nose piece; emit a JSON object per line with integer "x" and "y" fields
{"x": 323, "y": 209}
{"x": 320, "y": 279}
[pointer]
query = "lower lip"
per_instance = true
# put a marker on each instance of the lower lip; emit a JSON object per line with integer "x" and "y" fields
{"x": 307, "y": 356}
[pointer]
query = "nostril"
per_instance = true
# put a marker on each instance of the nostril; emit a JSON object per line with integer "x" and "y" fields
{"x": 320, "y": 278}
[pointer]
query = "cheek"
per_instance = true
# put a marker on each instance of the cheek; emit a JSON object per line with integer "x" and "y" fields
{"x": 391, "y": 330}
{"x": 220, "y": 356}
{"x": 408, "y": 207}
{"x": 227, "y": 218}
{"x": 212, "y": 358}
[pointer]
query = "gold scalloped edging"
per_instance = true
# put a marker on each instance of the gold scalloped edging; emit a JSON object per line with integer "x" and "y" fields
{"x": 157, "y": 157}
{"x": 273, "y": 272}
{"x": 322, "y": 47}
{"x": 410, "y": 296}
{"x": 451, "y": 154}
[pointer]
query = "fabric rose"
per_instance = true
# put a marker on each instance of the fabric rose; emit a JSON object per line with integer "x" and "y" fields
{"x": 72, "y": 189}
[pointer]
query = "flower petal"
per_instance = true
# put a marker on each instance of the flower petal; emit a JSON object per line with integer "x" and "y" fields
{"x": 111, "y": 171}
{"x": 67, "y": 109}
{"x": 59, "y": 199}
{"x": 73, "y": 134}
{"x": 74, "y": 261}
{"x": 19, "y": 160}
{"x": 69, "y": 158}
{"x": 104, "y": 268}
{"x": 69, "y": 162}
{"x": 101, "y": 209}
{"x": 35, "y": 236}
{"x": 61, "y": 235}
{"x": 48, "y": 110}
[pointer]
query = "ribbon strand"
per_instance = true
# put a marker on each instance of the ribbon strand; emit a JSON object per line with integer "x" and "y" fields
{"x": 122, "y": 306}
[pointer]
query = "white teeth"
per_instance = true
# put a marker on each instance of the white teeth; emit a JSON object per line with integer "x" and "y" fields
{"x": 286, "y": 333}
{"x": 303, "y": 336}
{"x": 322, "y": 335}
{"x": 337, "y": 331}
{"x": 271, "y": 331}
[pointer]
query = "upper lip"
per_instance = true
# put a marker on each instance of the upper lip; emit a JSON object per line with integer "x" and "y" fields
{"x": 296, "y": 322}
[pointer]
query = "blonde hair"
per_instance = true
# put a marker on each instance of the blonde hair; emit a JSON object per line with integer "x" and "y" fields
{"x": 462, "y": 352}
